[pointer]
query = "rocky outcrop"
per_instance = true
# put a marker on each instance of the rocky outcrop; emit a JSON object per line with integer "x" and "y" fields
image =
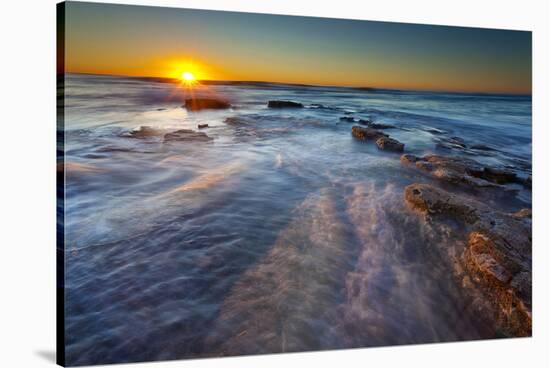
{"x": 186, "y": 135}
{"x": 196, "y": 104}
{"x": 390, "y": 144}
{"x": 202, "y": 126}
{"x": 383, "y": 140}
{"x": 367, "y": 133}
{"x": 497, "y": 254}
{"x": 457, "y": 170}
{"x": 277, "y": 104}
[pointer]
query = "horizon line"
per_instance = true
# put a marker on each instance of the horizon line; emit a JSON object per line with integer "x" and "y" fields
{"x": 365, "y": 88}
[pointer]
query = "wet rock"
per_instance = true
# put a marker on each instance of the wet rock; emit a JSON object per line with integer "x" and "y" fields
{"x": 202, "y": 126}
{"x": 238, "y": 120}
{"x": 277, "y": 104}
{"x": 196, "y": 104}
{"x": 390, "y": 144}
{"x": 499, "y": 176}
{"x": 144, "y": 132}
{"x": 348, "y": 119}
{"x": 458, "y": 141}
{"x": 372, "y": 125}
{"x": 459, "y": 170}
{"x": 449, "y": 143}
{"x": 367, "y": 133}
{"x": 524, "y": 213}
{"x": 528, "y": 182}
{"x": 435, "y": 131}
{"x": 497, "y": 255}
{"x": 408, "y": 159}
{"x": 291, "y": 284}
{"x": 186, "y": 135}
{"x": 321, "y": 106}
{"x": 482, "y": 147}
{"x": 381, "y": 126}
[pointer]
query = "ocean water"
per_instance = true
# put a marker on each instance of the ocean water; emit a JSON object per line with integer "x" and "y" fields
{"x": 282, "y": 233}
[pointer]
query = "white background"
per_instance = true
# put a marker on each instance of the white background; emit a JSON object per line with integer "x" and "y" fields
{"x": 27, "y": 171}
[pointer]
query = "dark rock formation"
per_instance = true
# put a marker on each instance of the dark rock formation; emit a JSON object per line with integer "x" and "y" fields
{"x": 186, "y": 135}
{"x": 390, "y": 144}
{"x": 349, "y": 119}
{"x": 196, "y": 104}
{"x": 458, "y": 170}
{"x": 367, "y": 133}
{"x": 497, "y": 254}
{"x": 202, "y": 126}
{"x": 276, "y": 104}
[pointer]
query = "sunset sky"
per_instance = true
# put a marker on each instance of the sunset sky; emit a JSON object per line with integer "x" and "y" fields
{"x": 164, "y": 42}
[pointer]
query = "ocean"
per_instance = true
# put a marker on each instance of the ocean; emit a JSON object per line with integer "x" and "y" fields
{"x": 280, "y": 233}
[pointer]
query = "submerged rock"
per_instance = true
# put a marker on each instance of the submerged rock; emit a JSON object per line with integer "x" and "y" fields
{"x": 144, "y": 132}
{"x": 367, "y": 133}
{"x": 497, "y": 254}
{"x": 277, "y": 104}
{"x": 370, "y": 124}
{"x": 186, "y": 135}
{"x": 524, "y": 213}
{"x": 449, "y": 143}
{"x": 390, "y": 144}
{"x": 196, "y": 104}
{"x": 435, "y": 131}
{"x": 349, "y": 119}
{"x": 238, "y": 120}
{"x": 499, "y": 176}
{"x": 321, "y": 106}
{"x": 482, "y": 147}
{"x": 269, "y": 308}
{"x": 457, "y": 170}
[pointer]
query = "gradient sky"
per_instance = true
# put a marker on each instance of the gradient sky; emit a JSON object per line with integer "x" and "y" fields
{"x": 154, "y": 41}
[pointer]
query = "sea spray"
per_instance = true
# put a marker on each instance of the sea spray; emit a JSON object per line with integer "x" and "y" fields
{"x": 392, "y": 296}
{"x": 141, "y": 215}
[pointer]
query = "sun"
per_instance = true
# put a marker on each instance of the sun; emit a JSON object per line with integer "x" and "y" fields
{"x": 187, "y": 77}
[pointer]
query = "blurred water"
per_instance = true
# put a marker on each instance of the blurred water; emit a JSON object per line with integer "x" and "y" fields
{"x": 281, "y": 234}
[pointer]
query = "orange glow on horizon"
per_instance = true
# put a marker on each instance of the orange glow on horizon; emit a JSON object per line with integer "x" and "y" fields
{"x": 186, "y": 70}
